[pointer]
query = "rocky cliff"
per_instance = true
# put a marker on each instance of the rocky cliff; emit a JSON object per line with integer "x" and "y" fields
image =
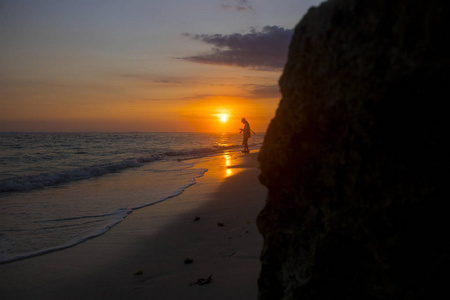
{"x": 355, "y": 160}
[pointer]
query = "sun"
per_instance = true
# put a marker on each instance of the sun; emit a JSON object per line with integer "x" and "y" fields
{"x": 223, "y": 117}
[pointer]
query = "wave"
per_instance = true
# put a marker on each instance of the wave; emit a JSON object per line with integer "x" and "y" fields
{"x": 199, "y": 152}
{"x": 113, "y": 218}
{"x": 119, "y": 216}
{"x": 177, "y": 191}
{"x": 31, "y": 182}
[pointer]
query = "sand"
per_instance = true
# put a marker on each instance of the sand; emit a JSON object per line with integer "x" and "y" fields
{"x": 155, "y": 242}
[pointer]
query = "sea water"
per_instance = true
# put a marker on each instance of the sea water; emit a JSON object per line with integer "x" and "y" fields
{"x": 60, "y": 189}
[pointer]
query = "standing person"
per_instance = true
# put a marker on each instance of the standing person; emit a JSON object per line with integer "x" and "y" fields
{"x": 246, "y": 131}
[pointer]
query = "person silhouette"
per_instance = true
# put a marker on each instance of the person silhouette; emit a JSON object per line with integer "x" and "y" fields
{"x": 247, "y": 134}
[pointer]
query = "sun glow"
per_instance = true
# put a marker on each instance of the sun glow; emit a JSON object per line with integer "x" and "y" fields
{"x": 220, "y": 114}
{"x": 223, "y": 117}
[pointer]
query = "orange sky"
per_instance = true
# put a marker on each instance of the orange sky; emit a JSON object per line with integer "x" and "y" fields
{"x": 191, "y": 105}
{"x": 167, "y": 66}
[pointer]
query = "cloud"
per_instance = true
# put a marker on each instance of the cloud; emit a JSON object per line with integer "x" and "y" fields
{"x": 249, "y": 91}
{"x": 149, "y": 79}
{"x": 240, "y": 5}
{"x": 264, "y": 50}
{"x": 263, "y": 91}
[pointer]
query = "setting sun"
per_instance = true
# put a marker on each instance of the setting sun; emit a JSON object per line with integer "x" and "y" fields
{"x": 223, "y": 114}
{"x": 223, "y": 118}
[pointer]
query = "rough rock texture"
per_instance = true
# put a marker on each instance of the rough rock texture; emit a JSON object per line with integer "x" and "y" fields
{"x": 355, "y": 160}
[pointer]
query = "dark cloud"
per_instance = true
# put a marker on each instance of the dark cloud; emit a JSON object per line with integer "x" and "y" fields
{"x": 266, "y": 49}
{"x": 250, "y": 91}
{"x": 148, "y": 79}
{"x": 240, "y": 5}
{"x": 167, "y": 81}
{"x": 263, "y": 91}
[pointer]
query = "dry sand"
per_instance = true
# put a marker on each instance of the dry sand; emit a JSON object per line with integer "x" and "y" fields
{"x": 157, "y": 240}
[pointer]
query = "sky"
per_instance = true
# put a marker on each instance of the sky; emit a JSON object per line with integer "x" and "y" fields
{"x": 143, "y": 65}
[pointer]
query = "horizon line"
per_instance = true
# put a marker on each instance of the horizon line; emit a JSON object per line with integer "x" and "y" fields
{"x": 38, "y": 132}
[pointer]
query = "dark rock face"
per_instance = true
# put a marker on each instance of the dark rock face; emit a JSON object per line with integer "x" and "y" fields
{"x": 355, "y": 160}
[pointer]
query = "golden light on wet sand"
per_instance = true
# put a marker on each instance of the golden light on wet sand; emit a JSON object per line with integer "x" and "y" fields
{"x": 228, "y": 170}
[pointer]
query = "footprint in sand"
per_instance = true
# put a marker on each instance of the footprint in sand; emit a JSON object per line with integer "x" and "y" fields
{"x": 228, "y": 253}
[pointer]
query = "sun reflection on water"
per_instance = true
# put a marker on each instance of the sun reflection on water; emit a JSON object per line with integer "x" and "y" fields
{"x": 228, "y": 170}
{"x": 223, "y": 141}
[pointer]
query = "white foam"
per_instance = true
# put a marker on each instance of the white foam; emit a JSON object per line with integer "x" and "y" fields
{"x": 177, "y": 191}
{"x": 115, "y": 216}
{"x": 119, "y": 216}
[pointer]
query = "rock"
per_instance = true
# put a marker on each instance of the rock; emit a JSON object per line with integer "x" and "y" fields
{"x": 355, "y": 160}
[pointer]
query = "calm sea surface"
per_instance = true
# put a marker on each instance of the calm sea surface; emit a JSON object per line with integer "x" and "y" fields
{"x": 60, "y": 189}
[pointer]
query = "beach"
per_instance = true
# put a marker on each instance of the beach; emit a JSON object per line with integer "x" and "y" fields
{"x": 161, "y": 251}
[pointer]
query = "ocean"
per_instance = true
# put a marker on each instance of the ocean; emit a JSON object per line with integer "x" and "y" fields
{"x": 60, "y": 189}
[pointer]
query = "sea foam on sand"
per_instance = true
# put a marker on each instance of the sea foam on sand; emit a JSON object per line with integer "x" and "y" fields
{"x": 213, "y": 223}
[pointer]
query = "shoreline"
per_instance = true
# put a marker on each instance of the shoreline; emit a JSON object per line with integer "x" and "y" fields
{"x": 157, "y": 240}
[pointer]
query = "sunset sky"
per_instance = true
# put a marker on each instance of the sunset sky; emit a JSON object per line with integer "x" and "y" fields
{"x": 143, "y": 65}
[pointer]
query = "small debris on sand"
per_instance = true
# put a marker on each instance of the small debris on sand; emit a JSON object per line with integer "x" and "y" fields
{"x": 202, "y": 281}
